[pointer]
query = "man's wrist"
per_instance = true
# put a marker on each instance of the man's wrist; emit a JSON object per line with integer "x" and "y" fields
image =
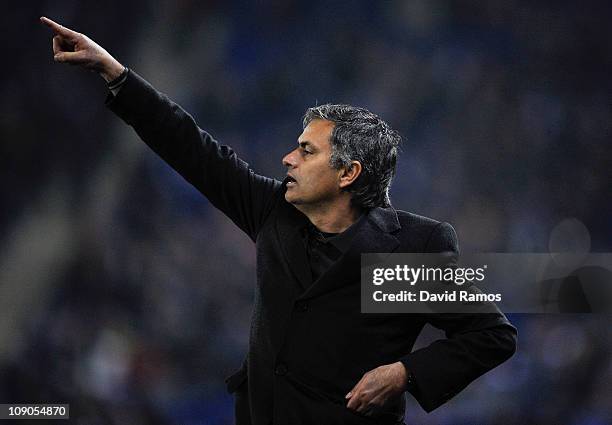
{"x": 112, "y": 71}
{"x": 409, "y": 382}
{"x": 118, "y": 82}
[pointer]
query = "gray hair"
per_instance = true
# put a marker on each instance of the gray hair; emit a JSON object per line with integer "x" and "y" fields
{"x": 360, "y": 135}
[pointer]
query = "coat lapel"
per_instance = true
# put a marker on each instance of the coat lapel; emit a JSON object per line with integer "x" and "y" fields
{"x": 291, "y": 240}
{"x": 373, "y": 237}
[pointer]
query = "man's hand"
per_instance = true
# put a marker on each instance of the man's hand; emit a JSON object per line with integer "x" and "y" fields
{"x": 376, "y": 387}
{"x": 78, "y": 49}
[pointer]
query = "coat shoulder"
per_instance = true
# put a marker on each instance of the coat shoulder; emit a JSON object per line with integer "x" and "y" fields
{"x": 416, "y": 231}
{"x": 408, "y": 219}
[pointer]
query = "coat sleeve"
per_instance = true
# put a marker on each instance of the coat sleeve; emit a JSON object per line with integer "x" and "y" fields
{"x": 214, "y": 169}
{"x": 474, "y": 344}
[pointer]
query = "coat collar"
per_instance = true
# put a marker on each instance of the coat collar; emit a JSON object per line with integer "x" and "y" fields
{"x": 385, "y": 219}
{"x": 374, "y": 236}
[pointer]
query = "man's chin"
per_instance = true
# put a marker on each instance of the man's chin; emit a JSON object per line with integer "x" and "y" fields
{"x": 292, "y": 199}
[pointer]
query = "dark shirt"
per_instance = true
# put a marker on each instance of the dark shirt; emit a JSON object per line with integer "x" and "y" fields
{"x": 324, "y": 249}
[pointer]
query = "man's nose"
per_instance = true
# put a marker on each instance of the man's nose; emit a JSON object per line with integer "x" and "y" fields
{"x": 289, "y": 159}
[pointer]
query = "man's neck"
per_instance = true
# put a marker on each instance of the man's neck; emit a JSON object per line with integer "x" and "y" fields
{"x": 334, "y": 218}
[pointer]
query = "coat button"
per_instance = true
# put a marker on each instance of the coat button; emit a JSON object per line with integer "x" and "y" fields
{"x": 301, "y": 306}
{"x": 280, "y": 369}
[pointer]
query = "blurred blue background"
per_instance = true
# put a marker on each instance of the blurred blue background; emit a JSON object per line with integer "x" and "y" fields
{"x": 116, "y": 297}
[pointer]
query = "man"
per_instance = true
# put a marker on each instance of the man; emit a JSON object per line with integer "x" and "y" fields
{"x": 313, "y": 357}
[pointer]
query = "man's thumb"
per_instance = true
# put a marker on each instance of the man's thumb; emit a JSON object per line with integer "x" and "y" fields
{"x": 70, "y": 57}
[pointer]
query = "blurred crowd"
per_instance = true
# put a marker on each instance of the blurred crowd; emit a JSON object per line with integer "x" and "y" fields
{"x": 116, "y": 297}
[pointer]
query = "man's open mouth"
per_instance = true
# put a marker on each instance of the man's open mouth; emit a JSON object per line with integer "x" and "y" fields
{"x": 291, "y": 180}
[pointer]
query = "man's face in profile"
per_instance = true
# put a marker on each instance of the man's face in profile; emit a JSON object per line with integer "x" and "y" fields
{"x": 312, "y": 180}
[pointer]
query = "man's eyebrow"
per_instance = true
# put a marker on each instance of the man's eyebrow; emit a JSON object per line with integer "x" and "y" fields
{"x": 305, "y": 143}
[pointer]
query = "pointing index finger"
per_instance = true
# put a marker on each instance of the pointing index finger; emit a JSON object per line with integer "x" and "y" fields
{"x": 59, "y": 29}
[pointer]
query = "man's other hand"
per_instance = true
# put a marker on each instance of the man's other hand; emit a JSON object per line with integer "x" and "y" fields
{"x": 77, "y": 49}
{"x": 377, "y": 387}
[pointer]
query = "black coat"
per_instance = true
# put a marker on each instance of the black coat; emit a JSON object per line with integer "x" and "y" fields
{"x": 309, "y": 347}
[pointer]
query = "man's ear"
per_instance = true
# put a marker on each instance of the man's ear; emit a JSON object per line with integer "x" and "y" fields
{"x": 349, "y": 174}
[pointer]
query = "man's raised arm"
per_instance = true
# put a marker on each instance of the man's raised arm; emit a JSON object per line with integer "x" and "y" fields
{"x": 215, "y": 170}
